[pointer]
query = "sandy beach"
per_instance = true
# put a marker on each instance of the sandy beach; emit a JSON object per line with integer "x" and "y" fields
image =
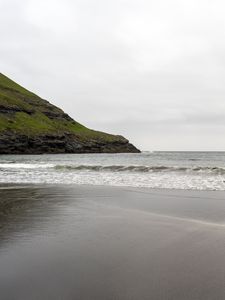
{"x": 86, "y": 242}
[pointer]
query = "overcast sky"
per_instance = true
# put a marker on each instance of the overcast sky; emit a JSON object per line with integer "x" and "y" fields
{"x": 153, "y": 71}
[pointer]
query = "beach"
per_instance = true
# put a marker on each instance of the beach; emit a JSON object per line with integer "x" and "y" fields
{"x": 96, "y": 242}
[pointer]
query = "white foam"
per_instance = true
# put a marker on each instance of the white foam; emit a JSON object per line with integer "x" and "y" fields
{"x": 25, "y": 166}
{"x": 157, "y": 180}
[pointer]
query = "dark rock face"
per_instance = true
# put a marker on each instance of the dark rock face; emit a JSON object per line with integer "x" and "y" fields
{"x": 67, "y": 143}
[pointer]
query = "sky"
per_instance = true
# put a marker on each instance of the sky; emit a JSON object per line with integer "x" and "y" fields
{"x": 153, "y": 71}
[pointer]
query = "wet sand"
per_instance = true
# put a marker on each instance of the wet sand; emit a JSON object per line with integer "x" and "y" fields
{"x": 86, "y": 242}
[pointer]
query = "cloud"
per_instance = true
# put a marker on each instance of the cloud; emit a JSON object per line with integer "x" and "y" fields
{"x": 129, "y": 67}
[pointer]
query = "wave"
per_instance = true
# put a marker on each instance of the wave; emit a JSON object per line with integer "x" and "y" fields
{"x": 141, "y": 169}
{"x": 118, "y": 168}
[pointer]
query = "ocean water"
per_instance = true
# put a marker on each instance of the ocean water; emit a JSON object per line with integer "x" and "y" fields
{"x": 173, "y": 170}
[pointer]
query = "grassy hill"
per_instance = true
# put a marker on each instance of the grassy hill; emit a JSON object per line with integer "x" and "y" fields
{"x": 30, "y": 124}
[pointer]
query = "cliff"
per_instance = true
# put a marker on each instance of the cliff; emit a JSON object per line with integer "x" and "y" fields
{"x": 32, "y": 125}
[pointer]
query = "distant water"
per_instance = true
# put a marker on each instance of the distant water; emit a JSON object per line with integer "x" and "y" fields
{"x": 175, "y": 170}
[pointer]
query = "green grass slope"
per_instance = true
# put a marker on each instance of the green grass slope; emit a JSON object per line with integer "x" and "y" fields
{"x": 23, "y": 112}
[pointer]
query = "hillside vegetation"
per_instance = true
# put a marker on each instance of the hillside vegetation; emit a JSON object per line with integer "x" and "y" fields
{"x": 24, "y": 114}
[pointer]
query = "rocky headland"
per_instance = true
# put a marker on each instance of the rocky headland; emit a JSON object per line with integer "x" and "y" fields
{"x": 32, "y": 125}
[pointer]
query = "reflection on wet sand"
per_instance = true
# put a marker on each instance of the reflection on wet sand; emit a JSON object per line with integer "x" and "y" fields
{"x": 25, "y": 208}
{"x": 19, "y": 208}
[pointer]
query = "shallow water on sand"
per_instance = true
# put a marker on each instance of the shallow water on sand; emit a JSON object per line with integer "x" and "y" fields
{"x": 83, "y": 242}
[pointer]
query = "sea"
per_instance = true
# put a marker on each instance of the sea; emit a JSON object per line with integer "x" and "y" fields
{"x": 157, "y": 169}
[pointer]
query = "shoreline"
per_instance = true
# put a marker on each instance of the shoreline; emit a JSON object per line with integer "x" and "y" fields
{"x": 4, "y": 185}
{"x": 155, "y": 199}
